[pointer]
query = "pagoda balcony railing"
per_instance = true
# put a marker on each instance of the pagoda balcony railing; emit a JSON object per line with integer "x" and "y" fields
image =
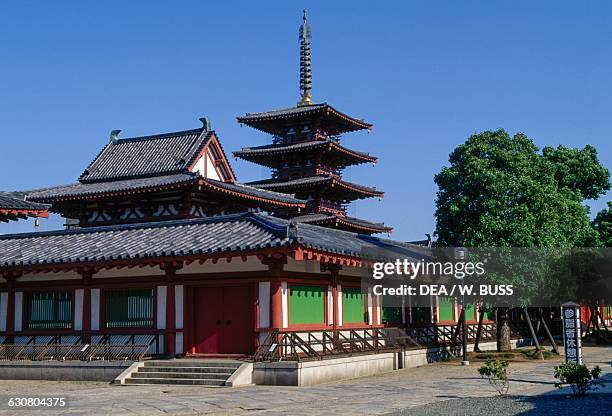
{"x": 327, "y": 171}
{"x": 331, "y": 208}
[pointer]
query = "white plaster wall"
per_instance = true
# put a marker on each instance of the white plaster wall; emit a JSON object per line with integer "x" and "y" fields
{"x": 18, "y": 311}
{"x": 264, "y": 304}
{"x": 162, "y": 293}
{"x": 178, "y": 306}
{"x": 330, "y": 305}
{"x": 211, "y": 172}
{"x": 95, "y": 309}
{"x": 78, "y": 309}
{"x": 178, "y": 343}
{"x": 340, "y": 310}
{"x": 3, "y": 310}
{"x": 285, "y": 304}
{"x": 236, "y": 265}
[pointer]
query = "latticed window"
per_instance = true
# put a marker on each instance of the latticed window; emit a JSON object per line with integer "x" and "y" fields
{"x": 128, "y": 308}
{"x": 49, "y": 310}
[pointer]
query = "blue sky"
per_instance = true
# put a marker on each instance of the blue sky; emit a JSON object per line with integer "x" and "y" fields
{"x": 427, "y": 74}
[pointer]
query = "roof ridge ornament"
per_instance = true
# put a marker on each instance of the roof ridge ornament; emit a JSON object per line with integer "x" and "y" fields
{"x": 206, "y": 125}
{"x": 305, "y": 63}
{"x": 113, "y": 136}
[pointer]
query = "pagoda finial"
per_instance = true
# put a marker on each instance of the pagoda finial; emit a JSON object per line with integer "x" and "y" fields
{"x": 305, "y": 63}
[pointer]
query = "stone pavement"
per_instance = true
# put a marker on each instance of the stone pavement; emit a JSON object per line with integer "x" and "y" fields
{"x": 377, "y": 395}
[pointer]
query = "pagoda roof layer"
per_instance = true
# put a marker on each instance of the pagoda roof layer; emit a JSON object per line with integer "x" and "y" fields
{"x": 266, "y": 155}
{"x": 147, "y": 156}
{"x": 275, "y": 122}
{"x": 344, "y": 222}
{"x": 225, "y": 235}
{"x": 317, "y": 180}
{"x": 13, "y": 206}
{"x": 79, "y": 191}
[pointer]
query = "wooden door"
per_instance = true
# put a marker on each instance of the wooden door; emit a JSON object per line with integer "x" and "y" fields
{"x": 223, "y": 320}
{"x": 208, "y": 318}
{"x": 237, "y": 323}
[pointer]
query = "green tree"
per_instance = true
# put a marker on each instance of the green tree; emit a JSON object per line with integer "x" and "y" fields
{"x": 500, "y": 191}
{"x": 603, "y": 225}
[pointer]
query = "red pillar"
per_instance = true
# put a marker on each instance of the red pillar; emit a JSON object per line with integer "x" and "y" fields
{"x": 170, "y": 320}
{"x": 276, "y": 305}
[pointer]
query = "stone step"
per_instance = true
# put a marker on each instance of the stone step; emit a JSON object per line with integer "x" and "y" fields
{"x": 179, "y": 381}
{"x": 188, "y": 369}
{"x": 209, "y": 376}
{"x": 192, "y": 363}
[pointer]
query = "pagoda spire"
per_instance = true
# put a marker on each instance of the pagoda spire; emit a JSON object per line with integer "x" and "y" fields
{"x": 305, "y": 63}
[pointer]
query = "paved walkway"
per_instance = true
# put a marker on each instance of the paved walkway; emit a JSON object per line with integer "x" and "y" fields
{"x": 368, "y": 396}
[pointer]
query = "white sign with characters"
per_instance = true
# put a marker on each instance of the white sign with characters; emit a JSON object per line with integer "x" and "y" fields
{"x": 571, "y": 332}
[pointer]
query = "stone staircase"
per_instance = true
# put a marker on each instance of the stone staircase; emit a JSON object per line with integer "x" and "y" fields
{"x": 184, "y": 372}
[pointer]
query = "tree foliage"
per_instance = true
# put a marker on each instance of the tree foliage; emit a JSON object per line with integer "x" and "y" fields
{"x": 500, "y": 191}
{"x": 603, "y": 225}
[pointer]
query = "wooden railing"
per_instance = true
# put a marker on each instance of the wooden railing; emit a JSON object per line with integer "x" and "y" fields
{"x": 103, "y": 349}
{"x": 321, "y": 344}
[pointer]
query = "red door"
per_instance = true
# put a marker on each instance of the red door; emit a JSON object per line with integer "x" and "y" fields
{"x": 208, "y": 317}
{"x": 237, "y": 326}
{"x": 223, "y": 320}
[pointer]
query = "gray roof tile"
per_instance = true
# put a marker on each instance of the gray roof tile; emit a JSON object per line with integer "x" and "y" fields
{"x": 79, "y": 190}
{"x": 147, "y": 155}
{"x": 196, "y": 237}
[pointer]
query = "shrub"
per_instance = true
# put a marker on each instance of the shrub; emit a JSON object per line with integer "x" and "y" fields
{"x": 495, "y": 371}
{"x": 578, "y": 376}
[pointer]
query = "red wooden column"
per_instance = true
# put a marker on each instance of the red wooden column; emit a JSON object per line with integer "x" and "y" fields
{"x": 275, "y": 267}
{"x": 335, "y": 270}
{"x": 276, "y": 305}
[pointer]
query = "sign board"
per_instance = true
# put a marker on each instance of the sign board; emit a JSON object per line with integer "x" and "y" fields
{"x": 571, "y": 332}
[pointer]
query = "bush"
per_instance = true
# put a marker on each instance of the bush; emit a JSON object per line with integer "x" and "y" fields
{"x": 579, "y": 377}
{"x": 495, "y": 371}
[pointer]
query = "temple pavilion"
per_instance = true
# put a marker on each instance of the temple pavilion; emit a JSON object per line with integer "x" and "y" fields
{"x": 166, "y": 245}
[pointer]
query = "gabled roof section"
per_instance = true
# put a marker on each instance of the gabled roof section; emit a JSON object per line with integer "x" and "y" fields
{"x": 13, "y": 206}
{"x": 332, "y": 121}
{"x": 145, "y": 156}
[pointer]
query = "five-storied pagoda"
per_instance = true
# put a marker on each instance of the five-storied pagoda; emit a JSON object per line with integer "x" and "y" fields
{"x": 306, "y": 156}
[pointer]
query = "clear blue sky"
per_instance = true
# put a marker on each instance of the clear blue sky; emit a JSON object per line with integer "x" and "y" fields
{"x": 427, "y": 74}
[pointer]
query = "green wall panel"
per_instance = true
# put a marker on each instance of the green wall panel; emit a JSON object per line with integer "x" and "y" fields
{"x": 445, "y": 308}
{"x": 353, "y": 303}
{"x": 306, "y": 304}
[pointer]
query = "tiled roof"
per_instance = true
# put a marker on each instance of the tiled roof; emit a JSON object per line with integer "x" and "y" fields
{"x": 334, "y": 122}
{"x": 145, "y": 156}
{"x": 117, "y": 187}
{"x": 276, "y": 149}
{"x": 275, "y": 184}
{"x": 79, "y": 190}
{"x": 349, "y": 222}
{"x": 13, "y": 206}
{"x": 196, "y": 237}
{"x": 15, "y": 201}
